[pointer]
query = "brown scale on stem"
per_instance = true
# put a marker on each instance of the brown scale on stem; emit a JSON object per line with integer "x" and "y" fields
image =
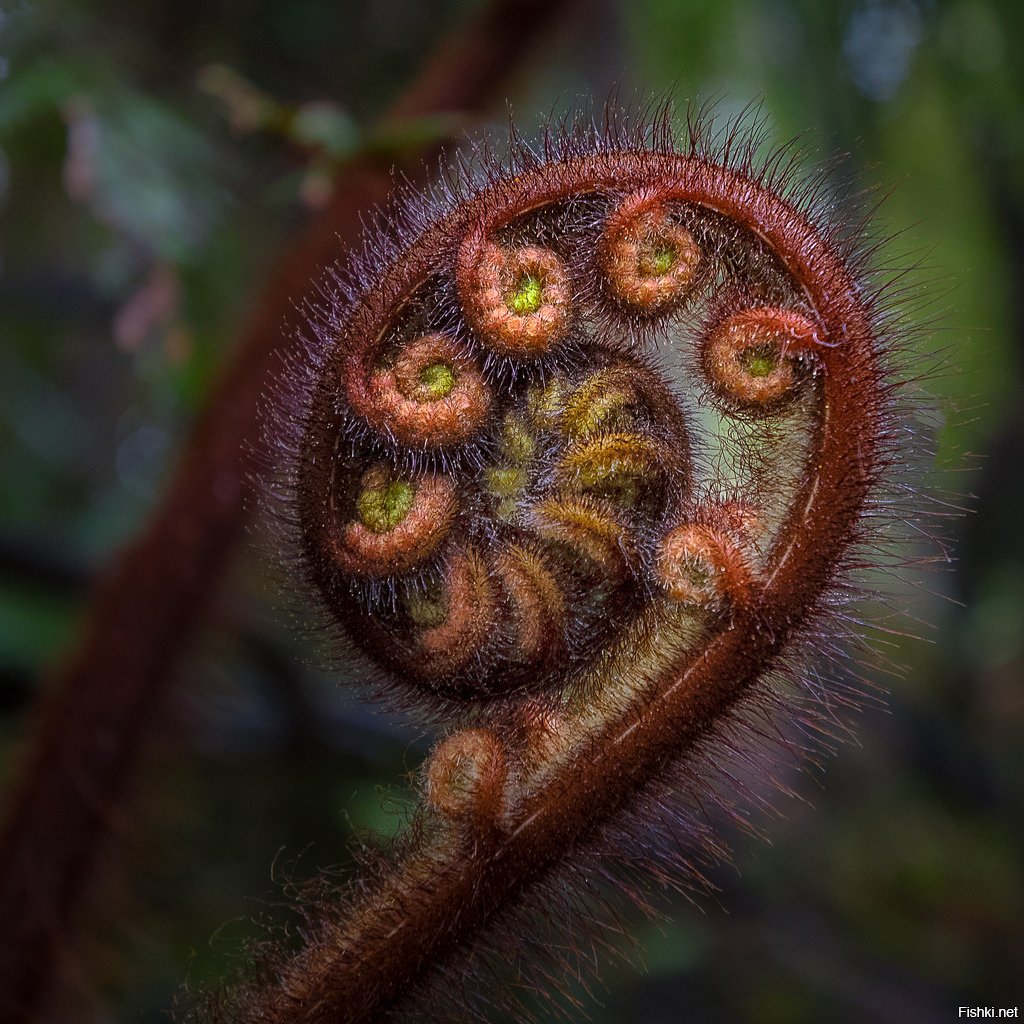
{"x": 586, "y": 616}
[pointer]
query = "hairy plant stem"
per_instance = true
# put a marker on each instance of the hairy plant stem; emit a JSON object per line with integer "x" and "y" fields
{"x": 99, "y": 706}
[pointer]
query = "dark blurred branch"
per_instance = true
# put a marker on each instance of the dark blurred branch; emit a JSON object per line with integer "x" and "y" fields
{"x": 100, "y": 706}
{"x": 27, "y": 560}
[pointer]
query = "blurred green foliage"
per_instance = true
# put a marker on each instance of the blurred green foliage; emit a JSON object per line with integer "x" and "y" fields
{"x": 153, "y": 157}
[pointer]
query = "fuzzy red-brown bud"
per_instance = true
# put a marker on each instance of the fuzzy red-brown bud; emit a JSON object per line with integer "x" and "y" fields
{"x": 608, "y": 400}
{"x": 588, "y": 527}
{"x": 397, "y": 523}
{"x": 433, "y": 396}
{"x": 537, "y": 603}
{"x": 753, "y": 358}
{"x": 467, "y": 612}
{"x": 466, "y": 775}
{"x": 650, "y": 260}
{"x": 519, "y": 300}
{"x": 617, "y": 466}
{"x": 700, "y": 566}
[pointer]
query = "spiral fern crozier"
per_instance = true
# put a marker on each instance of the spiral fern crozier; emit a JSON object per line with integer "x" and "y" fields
{"x": 582, "y": 453}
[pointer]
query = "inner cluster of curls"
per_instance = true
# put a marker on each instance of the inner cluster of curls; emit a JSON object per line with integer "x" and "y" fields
{"x": 540, "y": 474}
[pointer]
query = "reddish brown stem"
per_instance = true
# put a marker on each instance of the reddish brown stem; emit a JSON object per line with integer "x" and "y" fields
{"x": 99, "y": 706}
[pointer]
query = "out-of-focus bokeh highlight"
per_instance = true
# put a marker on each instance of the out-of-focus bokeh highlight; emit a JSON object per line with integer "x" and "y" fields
{"x": 153, "y": 158}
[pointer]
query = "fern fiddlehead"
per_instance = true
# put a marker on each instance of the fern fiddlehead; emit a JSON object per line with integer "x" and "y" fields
{"x": 579, "y": 457}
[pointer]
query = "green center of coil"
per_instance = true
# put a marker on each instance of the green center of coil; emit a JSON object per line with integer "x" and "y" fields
{"x": 526, "y": 296}
{"x": 760, "y": 362}
{"x": 659, "y": 260}
{"x": 382, "y": 508}
{"x": 437, "y": 381}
